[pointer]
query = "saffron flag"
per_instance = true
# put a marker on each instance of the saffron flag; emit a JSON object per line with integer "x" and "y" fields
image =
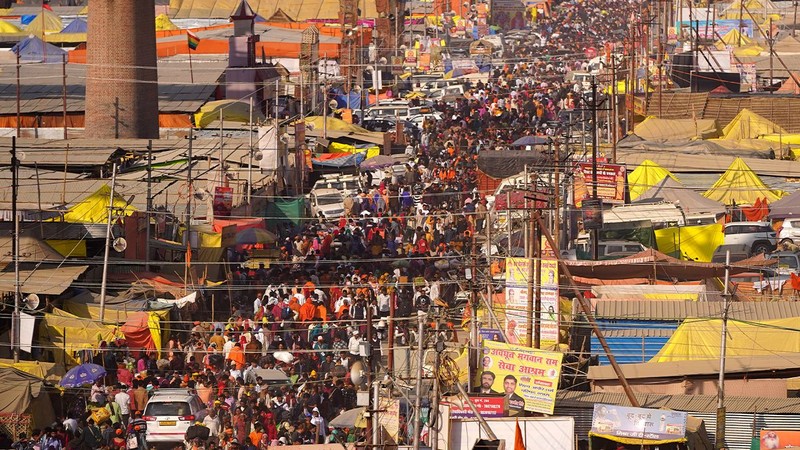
{"x": 194, "y": 40}
{"x": 519, "y": 441}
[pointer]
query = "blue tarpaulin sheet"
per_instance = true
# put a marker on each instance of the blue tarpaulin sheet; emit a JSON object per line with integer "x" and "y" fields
{"x": 34, "y": 49}
{"x": 76, "y": 26}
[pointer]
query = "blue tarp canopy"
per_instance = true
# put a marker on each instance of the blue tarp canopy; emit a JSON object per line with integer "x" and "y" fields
{"x": 345, "y": 161}
{"x": 34, "y": 49}
{"x": 25, "y": 19}
{"x": 76, "y": 26}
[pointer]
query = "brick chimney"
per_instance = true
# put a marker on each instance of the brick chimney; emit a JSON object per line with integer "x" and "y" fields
{"x": 122, "y": 74}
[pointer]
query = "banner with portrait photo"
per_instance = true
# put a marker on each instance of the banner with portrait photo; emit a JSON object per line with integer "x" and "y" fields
{"x": 527, "y": 378}
{"x": 630, "y": 425}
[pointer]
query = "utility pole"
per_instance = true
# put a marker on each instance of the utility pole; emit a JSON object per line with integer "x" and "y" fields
{"x": 420, "y": 373}
{"x": 726, "y": 296}
{"x": 149, "y": 213}
{"x": 594, "y": 234}
{"x": 433, "y": 415}
{"x": 104, "y": 281}
{"x": 15, "y": 322}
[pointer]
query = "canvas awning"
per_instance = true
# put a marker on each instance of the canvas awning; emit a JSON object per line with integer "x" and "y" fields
{"x": 654, "y": 264}
{"x": 42, "y": 281}
{"x": 669, "y": 190}
{"x": 740, "y": 185}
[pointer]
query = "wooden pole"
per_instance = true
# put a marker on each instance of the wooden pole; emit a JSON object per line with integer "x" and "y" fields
{"x": 64, "y": 91}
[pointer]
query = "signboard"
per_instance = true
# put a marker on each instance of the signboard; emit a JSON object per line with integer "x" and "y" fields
{"x": 516, "y": 296}
{"x": 229, "y": 235}
{"x": 779, "y": 439}
{"x": 714, "y": 30}
{"x": 389, "y": 417}
{"x": 610, "y": 182}
{"x": 491, "y": 334}
{"x": 747, "y": 72}
{"x": 527, "y": 377}
{"x": 411, "y": 57}
{"x": 592, "y": 214}
{"x": 639, "y": 423}
{"x": 223, "y": 201}
{"x": 488, "y": 406}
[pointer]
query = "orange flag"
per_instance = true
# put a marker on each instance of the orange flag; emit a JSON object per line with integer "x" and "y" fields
{"x": 519, "y": 442}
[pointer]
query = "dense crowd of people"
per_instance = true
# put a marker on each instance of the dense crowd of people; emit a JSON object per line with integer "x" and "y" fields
{"x": 311, "y": 313}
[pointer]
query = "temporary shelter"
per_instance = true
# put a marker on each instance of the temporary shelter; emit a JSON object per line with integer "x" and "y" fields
{"x": 33, "y": 49}
{"x": 759, "y": 10}
{"x": 749, "y": 125}
{"x": 76, "y": 26}
{"x": 94, "y": 208}
{"x": 67, "y": 334}
{"x": 164, "y": 24}
{"x": 733, "y": 38}
{"x": 692, "y": 243}
{"x": 655, "y": 129}
{"x": 25, "y": 393}
{"x": 740, "y": 185}
{"x": 46, "y": 22}
{"x": 786, "y": 207}
{"x": 142, "y": 332}
{"x": 297, "y": 10}
{"x": 790, "y": 86}
{"x": 669, "y": 190}
{"x": 698, "y": 339}
{"x": 645, "y": 176}
{"x": 8, "y": 28}
{"x": 228, "y": 110}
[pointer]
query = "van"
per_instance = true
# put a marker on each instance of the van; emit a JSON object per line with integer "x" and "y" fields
{"x": 347, "y": 185}
{"x": 382, "y": 111}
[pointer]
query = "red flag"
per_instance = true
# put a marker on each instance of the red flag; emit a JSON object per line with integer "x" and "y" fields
{"x": 46, "y": 6}
{"x": 519, "y": 441}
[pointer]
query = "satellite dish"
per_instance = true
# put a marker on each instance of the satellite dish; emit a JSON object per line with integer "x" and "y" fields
{"x": 31, "y": 301}
{"x": 258, "y": 156}
{"x": 357, "y": 374}
{"x": 119, "y": 245}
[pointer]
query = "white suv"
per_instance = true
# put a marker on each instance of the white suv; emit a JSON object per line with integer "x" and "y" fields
{"x": 758, "y": 236}
{"x": 789, "y": 232}
{"x": 170, "y": 412}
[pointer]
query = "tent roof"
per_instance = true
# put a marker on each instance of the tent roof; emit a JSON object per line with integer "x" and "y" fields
{"x": 698, "y": 339}
{"x": 34, "y": 49}
{"x": 94, "y": 208}
{"x": 42, "y": 281}
{"x": 671, "y": 369}
{"x": 231, "y": 110}
{"x": 786, "y": 207}
{"x": 298, "y": 10}
{"x": 741, "y": 185}
{"x": 19, "y": 388}
{"x": 733, "y": 38}
{"x": 669, "y": 190}
{"x": 645, "y": 176}
{"x": 46, "y": 22}
{"x": 651, "y": 263}
{"x": 655, "y": 129}
{"x": 163, "y": 23}
{"x": 8, "y": 28}
{"x": 76, "y": 26}
{"x": 790, "y": 86}
{"x": 749, "y": 125}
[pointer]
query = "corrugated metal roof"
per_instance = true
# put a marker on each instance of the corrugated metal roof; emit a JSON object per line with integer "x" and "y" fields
{"x": 42, "y": 281}
{"x": 749, "y": 365}
{"x": 637, "y": 332}
{"x": 689, "y": 403}
{"x": 679, "y": 310}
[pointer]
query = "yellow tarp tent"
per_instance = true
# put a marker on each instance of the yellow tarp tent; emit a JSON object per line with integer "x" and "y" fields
{"x": 94, "y": 208}
{"x": 699, "y": 339}
{"x": 337, "y": 147}
{"x": 231, "y": 110}
{"x": 8, "y": 28}
{"x": 741, "y": 185}
{"x": 654, "y": 129}
{"x": 68, "y": 247}
{"x": 46, "y": 22}
{"x": 112, "y": 315}
{"x": 733, "y": 38}
{"x": 750, "y": 50}
{"x": 695, "y": 243}
{"x": 65, "y": 334}
{"x": 45, "y": 370}
{"x": 749, "y": 125}
{"x": 757, "y": 8}
{"x": 164, "y": 24}
{"x": 334, "y": 124}
{"x": 647, "y": 175}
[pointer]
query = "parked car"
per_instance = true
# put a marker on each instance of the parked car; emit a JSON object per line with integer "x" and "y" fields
{"x": 738, "y": 252}
{"x": 789, "y": 232}
{"x": 788, "y": 262}
{"x": 758, "y": 236}
{"x": 170, "y": 412}
{"x": 609, "y": 249}
{"x": 326, "y": 203}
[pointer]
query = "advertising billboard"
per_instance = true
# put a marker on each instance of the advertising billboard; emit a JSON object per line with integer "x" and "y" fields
{"x": 526, "y": 377}
{"x": 639, "y": 423}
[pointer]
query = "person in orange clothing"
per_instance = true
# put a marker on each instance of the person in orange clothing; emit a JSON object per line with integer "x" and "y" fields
{"x": 308, "y": 310}
{"x": 321, "y": 312}
{"x": 237, "y": 356}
